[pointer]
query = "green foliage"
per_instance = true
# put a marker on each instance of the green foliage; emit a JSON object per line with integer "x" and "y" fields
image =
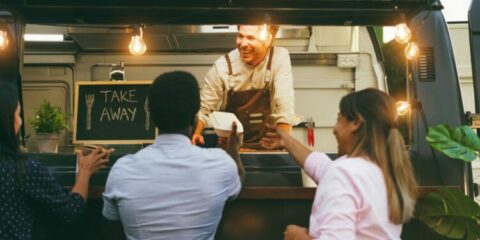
{"x": 459, "y": 143}
{"x": 451, "y": 214}
{"x": 48, "y": 119}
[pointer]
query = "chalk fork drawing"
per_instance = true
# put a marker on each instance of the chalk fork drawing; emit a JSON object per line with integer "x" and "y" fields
{"x": 89, "y": 99}
{"x": 147, "y": 114}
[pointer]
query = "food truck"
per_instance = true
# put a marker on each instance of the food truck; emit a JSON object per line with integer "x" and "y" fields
{"x": 335, "y": 48}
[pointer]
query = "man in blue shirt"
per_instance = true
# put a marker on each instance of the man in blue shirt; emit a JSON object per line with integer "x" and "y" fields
{"x": 173, "y": 189}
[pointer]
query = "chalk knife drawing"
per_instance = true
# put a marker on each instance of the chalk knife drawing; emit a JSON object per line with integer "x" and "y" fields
{"x": 89, "y": 100}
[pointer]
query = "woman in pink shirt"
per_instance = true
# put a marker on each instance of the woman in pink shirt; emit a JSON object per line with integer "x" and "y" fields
{"x": 370, "y": 190}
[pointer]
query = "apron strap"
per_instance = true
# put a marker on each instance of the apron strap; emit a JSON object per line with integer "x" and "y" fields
{"x": 230, "y": 71}
{"x": 268, "y": 74}
{"x": 229, "y": 64}
{"x": 269, "y": 64}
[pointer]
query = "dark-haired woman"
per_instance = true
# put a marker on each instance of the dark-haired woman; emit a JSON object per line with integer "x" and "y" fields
{"x": 370, "y": 190}
{"x": 26, "y": 186}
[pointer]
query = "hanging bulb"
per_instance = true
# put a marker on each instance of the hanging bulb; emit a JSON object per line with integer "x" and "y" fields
{"x": 264, "y": 32}
{"x": 402, "y": 108}
{"x": 3, "y": 40}
{"x": 402, "y": 33}
{"x": 137, "y": 46}
{"x": 411, "y": 51}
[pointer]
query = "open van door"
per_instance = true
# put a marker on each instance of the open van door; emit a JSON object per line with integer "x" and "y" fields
{"x": 474, "y": 34}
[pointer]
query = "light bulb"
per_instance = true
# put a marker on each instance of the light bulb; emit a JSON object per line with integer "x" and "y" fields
{"x": 411, "y": 51}
{"x": 402, "y": 108}
{"x": 3, "y": 40}
{"x": 137, "y": 46}
{"x": 402, "y": 33}
{"x": 264, "y": 33}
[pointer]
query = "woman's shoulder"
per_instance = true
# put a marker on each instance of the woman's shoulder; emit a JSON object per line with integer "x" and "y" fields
{"x": 33, "y": 166}
{"x": 356, "y": 167}
{"x": 27, "y": 163}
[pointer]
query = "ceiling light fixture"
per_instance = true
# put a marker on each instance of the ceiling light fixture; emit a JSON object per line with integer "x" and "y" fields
{"x": 43, "y": 37}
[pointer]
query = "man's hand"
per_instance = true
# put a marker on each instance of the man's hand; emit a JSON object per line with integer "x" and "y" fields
{"x": 233, "y": 143}
{"x": 197, "y": 139}
{"x": 294, "y": 232}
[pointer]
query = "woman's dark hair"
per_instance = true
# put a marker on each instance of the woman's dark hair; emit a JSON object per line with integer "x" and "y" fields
{"x": 174, "y": 100}
{"x": 9, "y": 143}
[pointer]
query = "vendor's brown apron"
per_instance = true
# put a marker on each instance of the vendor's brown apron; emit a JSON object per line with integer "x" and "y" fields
{"x": 252, "y": 107}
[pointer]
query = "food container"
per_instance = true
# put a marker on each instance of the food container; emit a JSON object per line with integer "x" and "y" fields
{"x": 222, "y": 123}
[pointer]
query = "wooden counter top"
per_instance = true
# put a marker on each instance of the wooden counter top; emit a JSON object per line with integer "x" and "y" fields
{"x": 280, "y": 193}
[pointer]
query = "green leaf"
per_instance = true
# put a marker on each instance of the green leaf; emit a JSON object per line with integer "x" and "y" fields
{"x": 450, "y": 213}
{"x": 460, "y": 143}
{"x": 48, "y": 119}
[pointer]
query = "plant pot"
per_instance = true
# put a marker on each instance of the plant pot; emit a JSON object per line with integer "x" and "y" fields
{"x": 47, "y": 142}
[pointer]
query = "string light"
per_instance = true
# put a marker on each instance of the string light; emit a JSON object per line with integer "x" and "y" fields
{"x": 403, "y": 107}
{"x": 137, "y": 46}
{"x": 411, "y": 51}
{"x": 3, "y": 40}
{"x": 402, "y": 33}
{"x": 264, "y": 33}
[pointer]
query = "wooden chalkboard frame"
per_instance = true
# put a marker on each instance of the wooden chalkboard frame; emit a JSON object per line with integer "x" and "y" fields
{"x": 75, "y": 117}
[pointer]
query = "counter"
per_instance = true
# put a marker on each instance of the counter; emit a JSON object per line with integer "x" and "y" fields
{"x": 272, "y": 199}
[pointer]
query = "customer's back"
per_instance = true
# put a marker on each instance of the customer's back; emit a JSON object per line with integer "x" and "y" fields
{"x": 171, "y": 189}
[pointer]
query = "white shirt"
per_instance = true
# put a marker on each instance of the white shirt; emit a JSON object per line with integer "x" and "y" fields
{"x": 351, "y": 200}
{"x": 171, "y": 190}
{"x": 246, "y": 77}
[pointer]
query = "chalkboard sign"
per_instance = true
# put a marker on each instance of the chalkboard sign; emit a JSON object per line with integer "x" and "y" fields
{"x": 112, "y": 113}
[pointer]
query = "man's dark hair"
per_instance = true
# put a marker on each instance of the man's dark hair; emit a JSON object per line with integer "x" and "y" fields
{"x": 174, "y": 100}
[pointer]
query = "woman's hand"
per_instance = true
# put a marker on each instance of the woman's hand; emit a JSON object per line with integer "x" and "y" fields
{"x": 274, "y": 138}
{"x": 86, "y": 166}
{"x": 278, "y": 137}
{"x": 94, "y": 161}
{"x": 294, "y": 232}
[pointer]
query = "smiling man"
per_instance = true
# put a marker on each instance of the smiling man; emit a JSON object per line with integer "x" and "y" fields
{"x": 253, "y": 81}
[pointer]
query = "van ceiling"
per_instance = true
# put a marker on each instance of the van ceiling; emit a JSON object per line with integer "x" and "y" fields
{"x": 298, "y": 12}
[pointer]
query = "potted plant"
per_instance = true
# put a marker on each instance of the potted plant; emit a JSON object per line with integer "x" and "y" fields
{"x": 448, "y": 211}
{"x": 49, "y": 121}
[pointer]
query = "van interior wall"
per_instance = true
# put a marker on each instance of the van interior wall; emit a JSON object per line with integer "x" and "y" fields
{"x": 318, "y": 87}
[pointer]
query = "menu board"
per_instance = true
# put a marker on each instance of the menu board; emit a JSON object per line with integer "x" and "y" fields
{"x": 112, "y": 113}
